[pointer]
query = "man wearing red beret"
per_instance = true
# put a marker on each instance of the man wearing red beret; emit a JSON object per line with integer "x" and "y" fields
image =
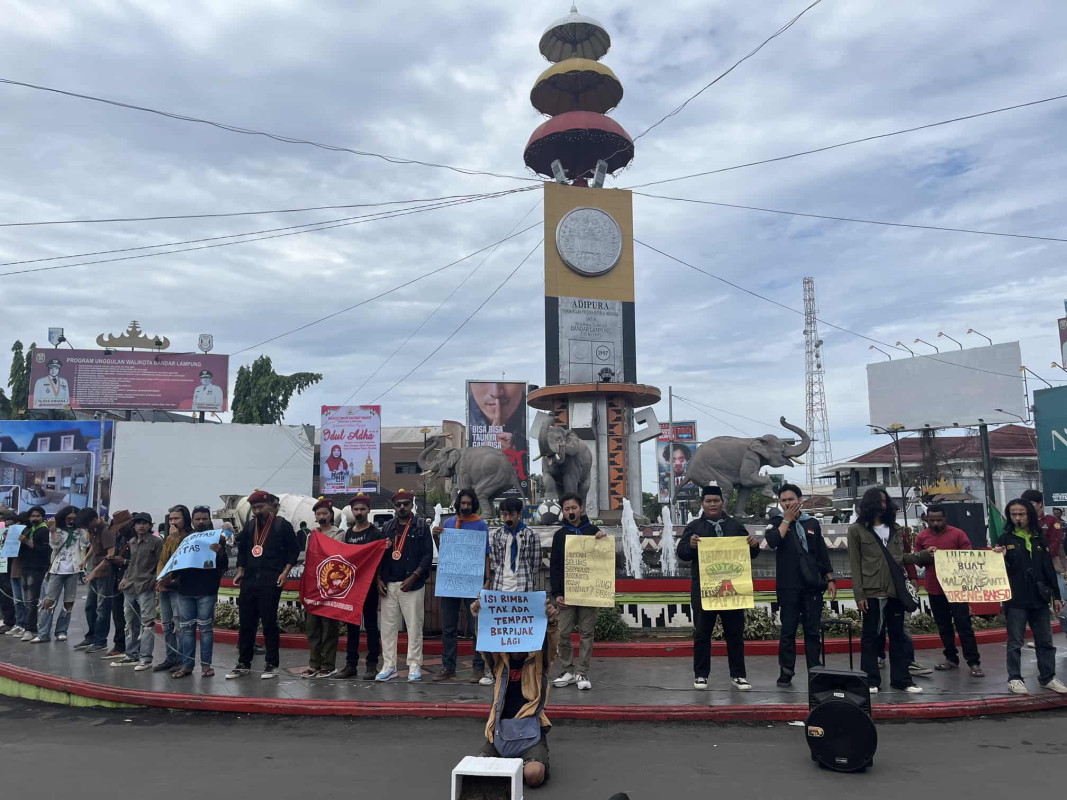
{"x": 402, "y": 585}
{"x": 267, "y": 549}
{"x": 322, "y": 632}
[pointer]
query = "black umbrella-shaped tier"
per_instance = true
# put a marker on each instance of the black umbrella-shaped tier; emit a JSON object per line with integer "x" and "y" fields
{"x": 578, "y": 139}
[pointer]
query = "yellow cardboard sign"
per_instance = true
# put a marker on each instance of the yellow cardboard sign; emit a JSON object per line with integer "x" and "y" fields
{"x": 725, "y": 566}
{"x": 589, "y": 571}
{"x": 972, "y": 576}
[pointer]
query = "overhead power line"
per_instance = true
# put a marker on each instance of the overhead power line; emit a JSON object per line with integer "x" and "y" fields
{"x": 720, "y": 420}
{"x": 463, "y": 324}
{"x": 275, "y": 136}
{"x": 378, "y": 296}
{"x": 855, "y": 219}
{"x": 800, "y": 312}
{"x": 307, "y": 228}
{"x": 731, "y": 413}
{"x": 850, "y": 142}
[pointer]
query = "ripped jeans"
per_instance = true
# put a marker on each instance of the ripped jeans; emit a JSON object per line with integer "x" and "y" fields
{"x": 194, "y": 613}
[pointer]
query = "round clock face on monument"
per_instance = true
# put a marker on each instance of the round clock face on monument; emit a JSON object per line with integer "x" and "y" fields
{"x": 589, "y": 241}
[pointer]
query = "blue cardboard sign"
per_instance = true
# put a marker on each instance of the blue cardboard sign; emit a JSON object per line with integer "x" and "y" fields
{"x": 11, "y": 541}
{"x": 461, "y": 563}
{"x": 194, "y": 552}
{"x": 511, "y": 622}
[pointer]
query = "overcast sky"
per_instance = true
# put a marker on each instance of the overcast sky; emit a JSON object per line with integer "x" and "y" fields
{"x": 449, "y": 82}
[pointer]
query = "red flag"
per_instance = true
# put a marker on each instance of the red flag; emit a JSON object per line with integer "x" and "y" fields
{"x": 338, "y": 576}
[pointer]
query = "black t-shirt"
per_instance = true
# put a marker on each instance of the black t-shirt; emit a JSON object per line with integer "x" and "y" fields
{"x": 514, "y": 699}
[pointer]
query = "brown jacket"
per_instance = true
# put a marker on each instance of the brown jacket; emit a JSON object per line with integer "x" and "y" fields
{"x": 532, "y": 672}
{"x": 870, "y": 571}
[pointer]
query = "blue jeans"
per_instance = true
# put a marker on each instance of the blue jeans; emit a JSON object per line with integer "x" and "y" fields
{"x": 197, "y": 612}
{"x": 98, "y": 610}
{"x": 20, "y": 607}
{"x": 66, "y": 585}
{"x": 1040, "y": 622}
{"x": 168, "y": 617}
{"x": 140, "y": 624}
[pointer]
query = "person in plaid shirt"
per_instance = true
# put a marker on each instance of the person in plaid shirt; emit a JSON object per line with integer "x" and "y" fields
{"x": 514, "y": 552}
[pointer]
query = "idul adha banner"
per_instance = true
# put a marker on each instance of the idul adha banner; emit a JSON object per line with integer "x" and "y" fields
{"x": 589, "y": 571}
{"x": 972, "y": 576}
{"x": 725, "y": 565}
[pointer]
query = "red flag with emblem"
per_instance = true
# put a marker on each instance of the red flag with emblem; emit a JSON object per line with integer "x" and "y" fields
{"x": 337, "y": 577}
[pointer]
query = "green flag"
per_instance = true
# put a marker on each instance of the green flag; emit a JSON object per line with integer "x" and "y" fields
{"x": 996, "y": 524}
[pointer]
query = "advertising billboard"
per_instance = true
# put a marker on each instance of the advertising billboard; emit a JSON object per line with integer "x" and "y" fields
{"x": 958, "y": 387}
{"x": 55, "y": 463}
{"x": 683, "y": 431}
{"x": 350, "y": 454}
{"x": 128, "y": 380}
{"x": 496, "y": 417}
{"x": 1050, "y": 422}
{"x": 672, "y": 461}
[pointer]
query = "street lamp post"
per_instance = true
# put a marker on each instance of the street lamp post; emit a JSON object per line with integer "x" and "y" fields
{"x": 942, "y": 333}
{"x": 1026, "y": 369}
{"x": 880, "y": 350}
{"x": 936, "y": 348}
{"x": 893, "y": 431}
{"x": 901, "y": 344}
{"x": 1057, "y": 366}
{"x": 424, "y": 431}
{"x": 979, "y": 333}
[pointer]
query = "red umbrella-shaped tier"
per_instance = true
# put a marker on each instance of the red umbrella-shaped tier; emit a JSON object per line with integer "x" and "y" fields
{"x": 578, "y": 139}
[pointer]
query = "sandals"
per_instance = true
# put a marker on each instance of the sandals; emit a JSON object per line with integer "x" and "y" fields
{"x": 207, "y": 672}
{"x": 946, "y": 666}
{"x": 976, "y": 671}
{"x": 181, "y": 673}
{"x": 309, "y": 673}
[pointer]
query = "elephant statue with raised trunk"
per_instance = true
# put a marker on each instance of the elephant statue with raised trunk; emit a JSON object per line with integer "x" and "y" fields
{"x": 567, "y": 462}
{"x": 734, "y": 463}
{"x": 486, "y": 470}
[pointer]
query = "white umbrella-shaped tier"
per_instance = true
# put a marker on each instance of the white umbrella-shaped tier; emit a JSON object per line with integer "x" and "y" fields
{"x": 575, "y": 36}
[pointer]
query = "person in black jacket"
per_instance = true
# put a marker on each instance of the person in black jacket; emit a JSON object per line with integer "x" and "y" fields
{"x": 34, "y": 555}
{"x": 363, "y": 531}
{"x": 714, "y": 522}
{"x": 267, "y": 549}
{"x": 1032, "y": 578}
{"x": 802, "y": 574}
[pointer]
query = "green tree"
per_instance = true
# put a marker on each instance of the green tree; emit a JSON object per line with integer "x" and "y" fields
{"x": 261, "y": 395}
{"x": 18, "y": 380}
{"x": 5, "y": 406}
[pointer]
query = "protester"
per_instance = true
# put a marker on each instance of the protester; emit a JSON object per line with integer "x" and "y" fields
{"x": 714, "y": 522}
{"x": 1052, "y": 532}
{"x": 521, "y": 691}
{"x": 179, "y": 524}
{"x": 467, "y": 519}
{"x": 34, "y": 557}
{"x": 267, "y": 550}
{"x": 98, "y": 596}
{"x": 877, "y": 559}
{"x": 402, "y": 585}
{"x": 802, "y": 575}
{"x": 361, "y": 531}
{"x": 197, "y": 594}
{"x": 322, "y": 632}
{"x": 1033, "y": 586}
{"x": 138, "y": 585}
{"x": 14, "y": 569}
{"x": 122, "y": 528}
{"x": 575, "y": 523}
{"x": 951, "y": 618}
{"x": 7, "y": 600}
{"x": 67, "y": 542}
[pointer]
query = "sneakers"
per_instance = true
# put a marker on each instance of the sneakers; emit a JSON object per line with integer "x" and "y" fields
{"x": 83, "y": 645}
{"x": 163, "y": 667}
{"x": 5, "y": 628}
{"x": 18, "y": 630}
{"x": 477, "y": 676}
{"x": 1016, "y": 686}
{"x": 37, "y": 640}
{"x": 238, "y": 672}
{"x": 269, "y": 671}
{"x": 874, "y": 690}
{"x": 61, "y": 637}
{"x": 910, "y": 689}
{"x": 566, "y": 679}
{"x": 487, "y": 680}
{"x": 584, "y": 683}
{"x": 116, "y": 653}
{"x": 347, "y": 671}
{"x": 915, "y": 668}
{"x": 784, "y": 680}
{"x": 1055, "y": 685}
{"x": 142, "y": 666}
{"x": 700, "y": 683}
{"x": 125, "y": 661}
{"x": 414, "y": 674}
{"x": 98, "y": 648}
{"x": 386, "y": 674}
{"x": 444, "y": 675}
{"x": 325, "y": 673}
{"x": 741, "y": 684}
{"x": 28, "y": 636}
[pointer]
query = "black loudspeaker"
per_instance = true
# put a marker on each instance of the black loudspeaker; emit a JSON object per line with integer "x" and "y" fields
{"x": 970, "y": 518}
{"x": 839, "y": 729}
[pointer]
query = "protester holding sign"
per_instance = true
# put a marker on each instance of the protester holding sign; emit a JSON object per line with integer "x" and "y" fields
{"x": 322, "y": 632}
{"x": 179, "y": 523}
{"x": 267, "y": 549}
{"x": 138, "y": 587}
{"x": 362, "y": 531}
{"x": 466, "y": 520}
{"x": 940, "y": 536}
{"x": 802, "y": 575}
{"x": 1033, "y": 587}
{"x": 517, "y": 726}
{"x": 576, "y": 523}
{"x": 1052, "y": 531}
{"x": 198, "y": 593}
{"x": 714, "y": 523}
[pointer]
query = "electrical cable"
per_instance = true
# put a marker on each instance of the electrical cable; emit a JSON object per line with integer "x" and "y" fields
{"x": 731, "y": 413}
{"x": 820, "y": 319}
{"x": 717, "y": 419}
{"x": 481, "y": 305}
{"x": 254, "y": 132}
{"x": 306, "y": 229}
{"x": 850, "y": 142}
{"x": 854, "y": 219}
{"x": 382, "y": 294}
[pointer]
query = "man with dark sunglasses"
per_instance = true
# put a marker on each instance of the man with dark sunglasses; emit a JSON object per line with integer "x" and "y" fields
{"x": 402, "y": 585}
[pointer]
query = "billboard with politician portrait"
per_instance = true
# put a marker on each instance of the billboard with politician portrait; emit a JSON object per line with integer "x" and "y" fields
{"x": 128, "y": 380}
{"x": 496, "y": 417}
{"x": 350, "y": 453}
{"x": 672, "y": 461}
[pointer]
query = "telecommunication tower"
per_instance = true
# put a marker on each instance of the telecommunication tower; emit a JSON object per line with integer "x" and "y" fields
{"x": 818, "y": 423}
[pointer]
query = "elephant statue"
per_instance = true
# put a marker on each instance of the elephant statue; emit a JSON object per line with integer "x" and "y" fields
{"x": 734, "y": 463}
{"x": 568, "y": 462}
{"x": 486, "y": 470}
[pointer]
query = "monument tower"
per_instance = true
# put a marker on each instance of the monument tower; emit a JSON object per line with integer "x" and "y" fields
{"x": 591, "y": 360}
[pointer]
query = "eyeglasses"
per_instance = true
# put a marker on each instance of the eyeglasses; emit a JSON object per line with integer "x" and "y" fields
{"x": 402, "y": 504}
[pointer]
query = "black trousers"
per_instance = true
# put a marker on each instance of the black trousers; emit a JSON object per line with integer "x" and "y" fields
{"x": 256, "y": 604}
{"x": 118, "y": 613}
{"x": 946, "y": 615}
{"x": 733, "y": 629}
{"x": 32, "y": 584}
{"x": 7, "y": 602}
{"x": 799, "y": 607}
{"x": 370, "y": 625}
{"x": 892, "y": 611}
